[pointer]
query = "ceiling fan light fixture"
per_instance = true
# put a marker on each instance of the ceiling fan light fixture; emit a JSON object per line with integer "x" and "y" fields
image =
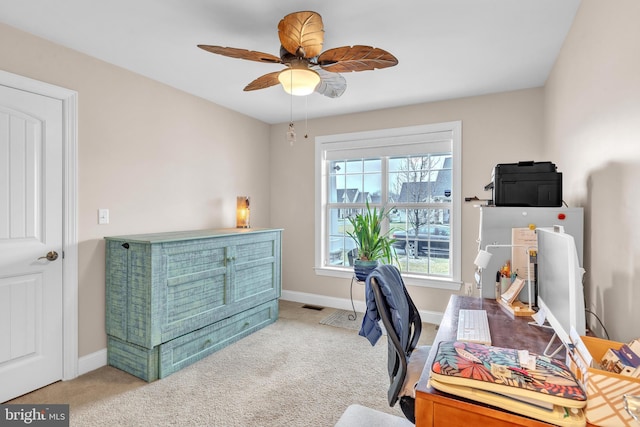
{"x": 309, "y": 68}
{"x": 299, "y": 81}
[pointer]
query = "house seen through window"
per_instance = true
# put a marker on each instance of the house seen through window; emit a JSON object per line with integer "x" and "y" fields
{"x": 409, "y": 172}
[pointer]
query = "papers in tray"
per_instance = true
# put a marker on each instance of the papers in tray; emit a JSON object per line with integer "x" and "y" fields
{"x": 512, "y": 293}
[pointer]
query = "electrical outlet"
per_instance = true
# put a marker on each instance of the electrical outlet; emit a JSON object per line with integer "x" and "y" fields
{"x": 468, "y": 289}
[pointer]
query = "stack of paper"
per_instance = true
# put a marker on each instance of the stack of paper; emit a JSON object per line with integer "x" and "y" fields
{"x": 512, "y": 293}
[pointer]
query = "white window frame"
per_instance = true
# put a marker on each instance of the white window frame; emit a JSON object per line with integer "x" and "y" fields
{"x": 405, "y": 140}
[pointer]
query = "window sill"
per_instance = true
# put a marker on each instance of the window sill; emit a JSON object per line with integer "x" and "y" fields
{"x": 409, "y": 280}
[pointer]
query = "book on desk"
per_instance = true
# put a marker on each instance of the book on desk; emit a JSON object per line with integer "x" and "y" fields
{"x": 546, "y": 390}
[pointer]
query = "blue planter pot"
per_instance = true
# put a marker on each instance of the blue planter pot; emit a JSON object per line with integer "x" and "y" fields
{"x": 362, "y": 268}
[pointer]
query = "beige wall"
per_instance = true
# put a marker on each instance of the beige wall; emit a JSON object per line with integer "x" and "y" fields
{"x": 499, "y": 128}
{"x": 592, "y": 118}
{"x": 163, "y": 160}
{"x": 157, "y": 158}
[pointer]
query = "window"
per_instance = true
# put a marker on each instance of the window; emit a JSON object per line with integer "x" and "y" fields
{"x": 414, "y": 173}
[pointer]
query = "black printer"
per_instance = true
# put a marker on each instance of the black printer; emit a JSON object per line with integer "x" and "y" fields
{"x": 533, "y": 184}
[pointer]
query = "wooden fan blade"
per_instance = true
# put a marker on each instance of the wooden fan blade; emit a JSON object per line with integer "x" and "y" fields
{"x": 263, "y": 82}
{"x": 241, "y": 53}
{"x": 302, "y": 34}
{"x": 331, "y": 85}
{"x": 355, "y": 58}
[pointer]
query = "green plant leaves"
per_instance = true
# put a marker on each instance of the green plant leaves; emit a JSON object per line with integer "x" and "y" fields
{"x": 371, "y": 242}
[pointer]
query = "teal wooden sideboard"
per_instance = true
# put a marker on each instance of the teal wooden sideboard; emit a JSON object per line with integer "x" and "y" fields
{"x": 174, "y": 298}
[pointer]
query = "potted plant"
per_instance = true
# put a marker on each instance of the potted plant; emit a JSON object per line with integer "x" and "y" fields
{"x": 372, "y": 244}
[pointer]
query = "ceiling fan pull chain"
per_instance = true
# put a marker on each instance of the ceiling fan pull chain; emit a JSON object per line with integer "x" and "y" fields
{"x": 291, "y": 132}
{"x": 306, "y": 117}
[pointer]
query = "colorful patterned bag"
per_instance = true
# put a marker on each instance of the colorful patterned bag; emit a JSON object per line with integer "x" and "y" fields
{"x": 495, "y": 375}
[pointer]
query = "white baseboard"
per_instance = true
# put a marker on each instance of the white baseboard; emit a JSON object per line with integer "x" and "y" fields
{"x": 92, "y": 361}
{"x": 345, "y": 304}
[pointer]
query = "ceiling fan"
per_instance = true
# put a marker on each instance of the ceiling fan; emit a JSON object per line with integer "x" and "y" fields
{"x": 308, "y": 68}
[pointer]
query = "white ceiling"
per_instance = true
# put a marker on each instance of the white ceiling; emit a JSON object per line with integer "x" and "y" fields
{"x": 445, "y": 48}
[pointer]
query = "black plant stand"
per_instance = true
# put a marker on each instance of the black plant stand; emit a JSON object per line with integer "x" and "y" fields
{"x": 353, "y": 316}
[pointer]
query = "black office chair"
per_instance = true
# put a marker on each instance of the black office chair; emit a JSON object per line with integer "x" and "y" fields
{"x": 405, "y": 362}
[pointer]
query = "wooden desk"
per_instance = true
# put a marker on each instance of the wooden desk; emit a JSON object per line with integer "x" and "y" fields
{"x": 435, "y": 408}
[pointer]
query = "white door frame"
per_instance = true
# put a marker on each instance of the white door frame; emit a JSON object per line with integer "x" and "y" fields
{"x": 69, "y": 100}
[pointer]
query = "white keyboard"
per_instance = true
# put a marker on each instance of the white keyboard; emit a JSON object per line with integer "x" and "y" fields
{"x": 473, "y": 326}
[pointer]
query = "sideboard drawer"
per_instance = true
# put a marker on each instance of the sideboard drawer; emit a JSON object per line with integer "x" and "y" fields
{"x": 187, "y": 349}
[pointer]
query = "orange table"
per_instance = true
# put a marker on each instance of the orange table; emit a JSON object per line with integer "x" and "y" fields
{"x": 435, "y": 408}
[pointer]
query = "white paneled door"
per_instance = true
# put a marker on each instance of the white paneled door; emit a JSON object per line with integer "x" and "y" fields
{"x": 31, "y": 218}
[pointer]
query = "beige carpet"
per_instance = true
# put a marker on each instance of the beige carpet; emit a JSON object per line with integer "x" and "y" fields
{"x": 346, "y": 319}
{"x": 295, "y": 372}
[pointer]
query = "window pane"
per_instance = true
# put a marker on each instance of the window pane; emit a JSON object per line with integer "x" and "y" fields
{"x": 423, "y": 240}
{"x": 394, "y": 188}
{"x": 372, "y": 184}
{"x": 422, "y": 265}
{"x": 354, "y": 187}
{"x": 339, "y": 241}
{"x": 336, "y": 187}
{"x": 396, "y": 163}
{"x": 442, "y": 179}
{"x": 337, "y": 167}
{"x": 372, "y": 165}
{"x": 354, "y": 166}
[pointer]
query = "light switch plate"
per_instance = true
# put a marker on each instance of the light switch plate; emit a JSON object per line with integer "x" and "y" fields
{"x": 103, "y": 216}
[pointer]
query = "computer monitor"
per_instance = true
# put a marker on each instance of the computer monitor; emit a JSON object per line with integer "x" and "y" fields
{"x": 560, "y": 289}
